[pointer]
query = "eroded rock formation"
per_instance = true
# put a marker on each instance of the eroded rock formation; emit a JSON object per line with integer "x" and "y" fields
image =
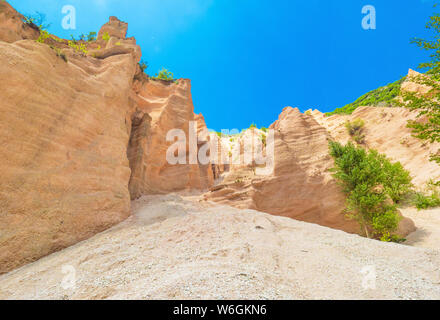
{"x": 301, "y": 185}
{"x": 170, "y": 107}
{"x": 80, "y": 136}
{"x": 84, "y": 132}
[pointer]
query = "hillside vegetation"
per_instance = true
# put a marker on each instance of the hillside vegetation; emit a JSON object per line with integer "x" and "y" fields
{"x": 381, "y": 96}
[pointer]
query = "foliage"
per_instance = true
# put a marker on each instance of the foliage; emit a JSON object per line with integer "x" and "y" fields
{"x": 356, "y": 130}
{"x": 253, "y": 126}
{"x": 73, "y": 40}
{"x": 165, "y": 75}
{"x": 428, "y": 199}
{"x": 264, "y": 129}
{"x": 106, "y": 36}
{"x": 91, "y": 36}
{"x": 370, "y": 181}
{"x": 36, "y": 21}
{"x": 428, "y": 107}
{"x": 423, "y": 201}
{"x": 427, "y": 126}
{"x": 44, "y": 34}
{"x": 264, "y": 139}
{"x": 78, "y": 47}
{"x": 143, "y": 65}
{"x": 397, "y": 181}
{"x": 382, "y": 96}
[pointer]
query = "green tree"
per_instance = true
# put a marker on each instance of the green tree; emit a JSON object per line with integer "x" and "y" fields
{"x": 143, "y": 65}
{"x": 370, "y": 182}
{"x": 91, "y": 36}
{"x": 427, "y": 126}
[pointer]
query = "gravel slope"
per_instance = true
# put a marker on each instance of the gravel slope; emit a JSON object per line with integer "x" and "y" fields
{"x": 173, "y": 248}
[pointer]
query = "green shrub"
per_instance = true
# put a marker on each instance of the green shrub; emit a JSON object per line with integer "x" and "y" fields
{"x": 397, "y": 181}
{"x": 36, "y": 21}
{"x": 106, "y": 36}
{"x": 91, "y": 36}
{"x": 264, "y": 140}
{"x": 264, "y": 129}
{"x": 78, "y": 47}
{"x": 356, "y": 130}
{"x": 253, "y": 126}
{"x": 143, "y": 65}
{"x": 369, "y": 181}
{"x": 44, "y": 34}
{"x": 165, "y": 75}
{"x": 423, "y": 201}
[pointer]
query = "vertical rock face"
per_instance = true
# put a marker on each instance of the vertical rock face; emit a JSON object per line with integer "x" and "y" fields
{"x": 76, "y": 139}
{"x": 170, "y": 107}
{"x": 300, "y": 186}
{"x": 64, "y": 169}
{"x": 206, "y": 171}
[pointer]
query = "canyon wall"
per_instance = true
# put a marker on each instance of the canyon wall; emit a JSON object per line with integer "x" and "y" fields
{"x": 84, "y": 133}
{"x": 78, "y": 138}
{"x": 300, "y": 185}
{"x": 169, "y": 106}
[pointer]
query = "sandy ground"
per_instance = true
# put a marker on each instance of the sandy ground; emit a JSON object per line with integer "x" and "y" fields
{"x": 173, "y": 248}
{"x": 428, "y": 228}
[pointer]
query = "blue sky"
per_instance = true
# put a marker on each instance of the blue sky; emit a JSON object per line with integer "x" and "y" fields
{"x": 248, "y": 59}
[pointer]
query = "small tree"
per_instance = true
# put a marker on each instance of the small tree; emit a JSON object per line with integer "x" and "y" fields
{"x": 370, "y": 180}
{"x": 91, "y": 36}
{"x": 165, "y": 75}
{"x": 143, "y": 65}
{"x": 428, "y": 104}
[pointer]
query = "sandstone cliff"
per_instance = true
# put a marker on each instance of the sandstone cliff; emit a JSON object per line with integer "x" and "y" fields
{"x": 301, "y": 185}
{"x": 12, "y": 27}
{"x": 80, "y": 136}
